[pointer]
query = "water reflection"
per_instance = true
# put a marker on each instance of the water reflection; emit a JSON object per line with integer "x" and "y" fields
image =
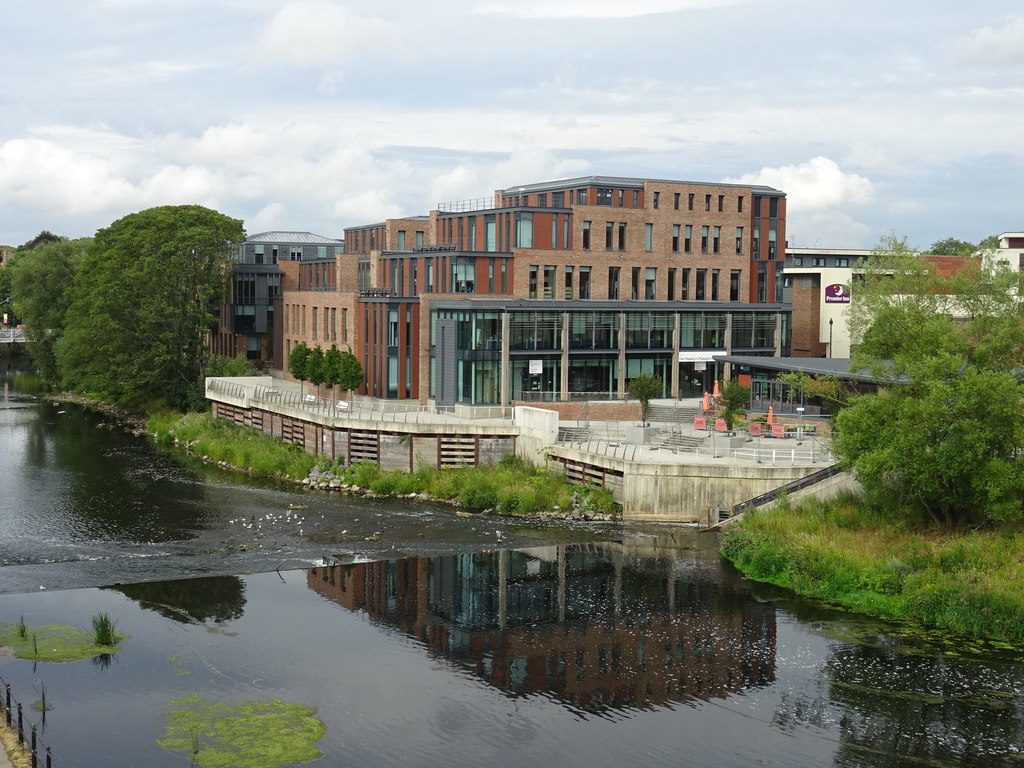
{"x": 592, "y": 626}
{"x": 190, "y": 601}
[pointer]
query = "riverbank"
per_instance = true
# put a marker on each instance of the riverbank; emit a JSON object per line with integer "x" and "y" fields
{"x": 509, "y": 487}
{"x": 12, "y": 755}
{"x": 884, "y": 564}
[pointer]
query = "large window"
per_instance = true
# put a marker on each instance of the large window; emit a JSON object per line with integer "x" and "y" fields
{"x": 463, "y": 275}
{"x": 649, "y": 330}
{"x": 535, "y": 330}
{"x": 613, "y": 282}
{"x": 594, "y": 330}
{"x": 524, "y": 230}
{"x": 702, "y": 330}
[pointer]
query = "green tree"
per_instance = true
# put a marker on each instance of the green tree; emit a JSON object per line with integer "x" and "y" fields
{"x": 315, "y": 367}
{"x": 351, "y": 371}
{"x": 644, "y": 388}
{"x": 332, "y": 365}
{"x": 40, "y": 280}
{"x": 950, "y": 246}
{"x": 143, "y": 299}
{"x": 297, "y": 360}
{"x": 733, "y": 399}
{"x": 46, "y": 236}
{"x": 945, "y": 432}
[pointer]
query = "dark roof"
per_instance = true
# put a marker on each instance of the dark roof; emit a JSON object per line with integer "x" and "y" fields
{"x": 627, "y": 182}
{"x": 296, "y": 238}
{"x": 813, "y": 366}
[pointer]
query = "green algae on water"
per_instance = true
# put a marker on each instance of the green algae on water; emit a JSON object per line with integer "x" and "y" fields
{"x": 252, "y": 734}
{"x": 54, "y": 642}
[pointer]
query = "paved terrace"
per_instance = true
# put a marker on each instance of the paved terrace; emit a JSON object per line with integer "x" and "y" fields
{"x": 673, "y": 442}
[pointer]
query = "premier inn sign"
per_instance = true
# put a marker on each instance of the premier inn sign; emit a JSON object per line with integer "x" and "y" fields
{"x": 837, "y": 293}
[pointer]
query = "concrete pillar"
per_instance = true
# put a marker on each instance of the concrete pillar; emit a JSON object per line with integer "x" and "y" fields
{"x": 674, "y": 378}
{"x": 778, "y": 335}
{"x": 622, "y": 355}
{"x": 563, "y": 370}
{"x": 725, "y": 372}
{"x": 504, "y": 368}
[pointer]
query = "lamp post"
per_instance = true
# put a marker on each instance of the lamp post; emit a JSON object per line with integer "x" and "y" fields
{"x": 799, "y": 425}
{"x": 830, "y": 321}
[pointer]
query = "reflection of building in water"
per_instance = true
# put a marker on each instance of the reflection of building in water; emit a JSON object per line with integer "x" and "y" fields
{"x": 589, "y": 626}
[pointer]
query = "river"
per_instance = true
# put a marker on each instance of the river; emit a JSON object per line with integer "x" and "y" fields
{"x": 424, "y": 638}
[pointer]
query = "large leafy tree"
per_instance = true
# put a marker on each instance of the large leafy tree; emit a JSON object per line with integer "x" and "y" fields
{"x": 945, "y": 431}
{"x": 40, "y": 280}
{"x": 142, "y": 301}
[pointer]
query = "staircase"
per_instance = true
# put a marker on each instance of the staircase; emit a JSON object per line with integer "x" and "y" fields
{"x": 673, "y": 440}
{"x": 671, "y": 414}
{"x": 573, "y": 434}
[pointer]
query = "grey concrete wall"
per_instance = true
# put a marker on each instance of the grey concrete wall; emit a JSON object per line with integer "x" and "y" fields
{"x": 691, "y": 493}
{"x": 538, "y": 429}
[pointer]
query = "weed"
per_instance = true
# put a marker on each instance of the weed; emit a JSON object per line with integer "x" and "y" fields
{"x": 104, "y": 630}
{"x": 22, "y": 628}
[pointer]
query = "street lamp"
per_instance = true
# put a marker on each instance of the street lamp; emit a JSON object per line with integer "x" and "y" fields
{"x": 830, "y": 321}
{"x": 800, "y": 425}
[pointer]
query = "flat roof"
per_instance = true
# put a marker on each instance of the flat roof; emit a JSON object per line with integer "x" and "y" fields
{"x": 629, "y": 182}
{"x": 838, "y": 367}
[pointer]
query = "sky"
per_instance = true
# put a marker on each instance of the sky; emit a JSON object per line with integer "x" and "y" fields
{"x": 901, "y": 117}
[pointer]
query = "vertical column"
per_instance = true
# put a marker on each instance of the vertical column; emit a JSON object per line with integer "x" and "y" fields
{"x": 504, "y": 366}
{"x": 725, "y": 372}
{"x": 622, "y": 355}
{"x": 778, "y": 336}
{"x": 674, "y": 378}
{"x": 563, "y": 378}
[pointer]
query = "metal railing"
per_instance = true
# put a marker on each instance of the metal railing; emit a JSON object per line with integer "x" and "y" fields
{"x": 461, "y": 206}
{"x": 13, "y": 336}
{"x": 14, "y": 717}
{"x": 557, "y": 396}
{"x": 766, "y": 498}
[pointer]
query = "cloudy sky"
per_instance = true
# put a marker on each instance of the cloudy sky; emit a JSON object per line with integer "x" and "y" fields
{"x": 902, "y": 116}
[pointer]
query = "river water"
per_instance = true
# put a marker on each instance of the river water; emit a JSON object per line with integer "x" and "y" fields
{"x": 430, "y": 640}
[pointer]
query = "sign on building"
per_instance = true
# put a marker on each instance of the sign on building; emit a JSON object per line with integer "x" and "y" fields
{"x": 837, "y": 293}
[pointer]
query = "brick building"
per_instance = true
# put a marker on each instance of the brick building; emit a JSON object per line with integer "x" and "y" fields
{"x": 259, "y": 274}
{"x": 554, "y": 291}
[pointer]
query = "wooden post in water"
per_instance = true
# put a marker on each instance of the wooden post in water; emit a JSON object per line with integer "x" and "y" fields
{"x": 21, "y": 730}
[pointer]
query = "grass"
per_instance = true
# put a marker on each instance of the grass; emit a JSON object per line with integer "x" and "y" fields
{"x": 55, "y": 643}
{"x": 510, "y": 486}
{"x": 104, "y": 630}
{"x": 221, "y": 440}
{"x": 883, "y": 561}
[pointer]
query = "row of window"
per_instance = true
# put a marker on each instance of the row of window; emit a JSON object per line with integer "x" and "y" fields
{"x": 324, "y": 326}
{"x": 615, "y": 237}
{"x": 442, "y": 274}
{"x": 263, "y": 254}
{"x": 821, "y": 261}
{"x": 706, "y": 284}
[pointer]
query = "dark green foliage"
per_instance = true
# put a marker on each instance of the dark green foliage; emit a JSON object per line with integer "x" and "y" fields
{"x": 350, "y": 375}
{"x": 950, "y": 246}
{"x": 315, "y": 367}
{"x": 216, "y": 365}
{"x": 733, "y": 401}
{"x": 332, "y": 365}
{"x": 870, "y": 558}
{"x": 944, "y": 434}
{"x": 645, "y": 388}
{"x": 142, "y": 300}
{"x": 45, "y": 237}
{"x": 40, "y": 283}
{"x": 297, "y": 362}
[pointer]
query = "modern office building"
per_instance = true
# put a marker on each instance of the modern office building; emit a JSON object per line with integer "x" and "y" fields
{"x": 558, "y": 291}
{"x": 257, "y": 277}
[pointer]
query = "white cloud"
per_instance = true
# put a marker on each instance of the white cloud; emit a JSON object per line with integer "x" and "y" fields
{"x": 598, "y": 9}
{"x": 320, "y": 32}
{"x": 817, "y": 185}
{"x": 1003, "y": 44}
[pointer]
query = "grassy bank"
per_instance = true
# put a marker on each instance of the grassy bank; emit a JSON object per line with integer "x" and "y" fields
{"x": 510, "y": 487}
{"x": 884, "y": 563}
